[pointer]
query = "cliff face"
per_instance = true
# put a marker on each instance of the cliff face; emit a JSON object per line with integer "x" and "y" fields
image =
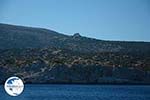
{"x": 44, "y": 56}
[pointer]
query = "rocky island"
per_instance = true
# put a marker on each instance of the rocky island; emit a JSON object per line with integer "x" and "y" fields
{"x": 38, "y": 55}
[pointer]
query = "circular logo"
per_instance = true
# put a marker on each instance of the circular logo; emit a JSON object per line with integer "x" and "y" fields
{"x": 14, "y": 86}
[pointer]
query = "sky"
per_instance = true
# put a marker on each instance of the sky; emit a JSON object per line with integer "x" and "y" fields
{"x": 125, "y": 20}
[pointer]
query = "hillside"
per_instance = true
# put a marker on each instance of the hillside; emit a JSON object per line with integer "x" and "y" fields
{"x": 40, "y": 55}
{"x": 26, "y": 37}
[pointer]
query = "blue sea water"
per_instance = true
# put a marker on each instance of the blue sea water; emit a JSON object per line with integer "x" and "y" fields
{"x": 80, "y": 92}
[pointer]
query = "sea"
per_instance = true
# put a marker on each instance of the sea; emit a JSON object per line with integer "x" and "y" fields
{"x": 80, "y": 92}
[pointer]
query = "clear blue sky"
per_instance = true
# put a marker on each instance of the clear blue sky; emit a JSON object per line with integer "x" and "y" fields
{"x": 103, "y": 19}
